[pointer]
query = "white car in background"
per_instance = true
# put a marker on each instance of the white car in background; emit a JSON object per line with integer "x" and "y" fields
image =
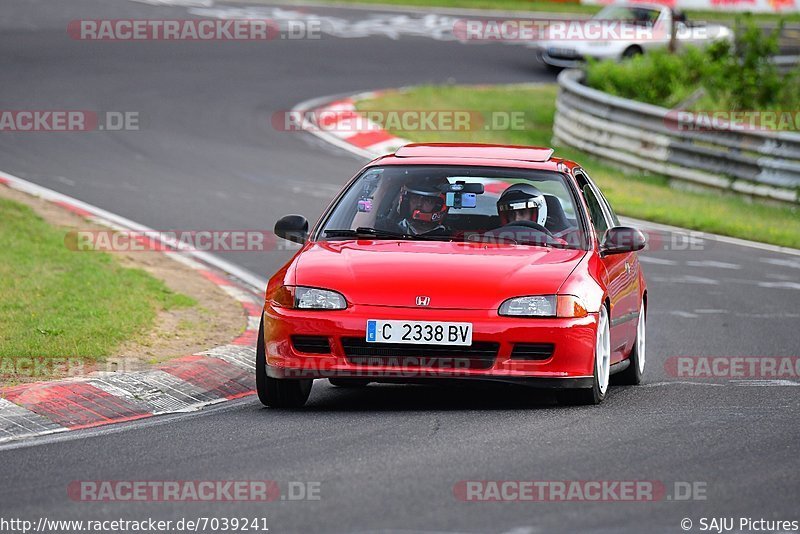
{"x": 624, "y": 30}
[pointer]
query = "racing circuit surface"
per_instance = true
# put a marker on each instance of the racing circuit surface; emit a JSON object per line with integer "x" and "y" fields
{"x": 388, "y": 457}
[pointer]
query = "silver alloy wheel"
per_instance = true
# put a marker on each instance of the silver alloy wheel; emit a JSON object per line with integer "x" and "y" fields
{"x": 641, "y": 339}
{"x": 603, "y": 351}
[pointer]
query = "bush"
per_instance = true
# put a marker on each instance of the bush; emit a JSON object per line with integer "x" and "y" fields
{"x": 658, "y": 77}
{"x": 733, "y": 76}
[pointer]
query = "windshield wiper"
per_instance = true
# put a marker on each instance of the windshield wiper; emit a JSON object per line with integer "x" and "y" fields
{"x": 373, "y": 232}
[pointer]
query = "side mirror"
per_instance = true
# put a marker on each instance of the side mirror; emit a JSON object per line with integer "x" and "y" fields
{"x": 621, "y": 239}
{"x": 292, "y": 228}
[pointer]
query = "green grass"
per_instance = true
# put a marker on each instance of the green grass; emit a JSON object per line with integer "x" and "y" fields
{"x": 558, "y": 7}
{"x": 632, "y": 194}
{"x": 57, "y": 303}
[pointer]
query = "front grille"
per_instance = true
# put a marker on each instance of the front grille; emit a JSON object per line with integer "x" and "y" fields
{"x": 567, "y": 53}
{"x": 532, "y": 351}
{"x": 479, "y": 355}
{"x": 311, "y": 344}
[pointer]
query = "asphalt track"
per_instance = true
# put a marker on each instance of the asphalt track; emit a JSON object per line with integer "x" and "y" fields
{"x": 388, "y": 457}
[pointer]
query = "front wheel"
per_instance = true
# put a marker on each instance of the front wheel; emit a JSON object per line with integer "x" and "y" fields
{"x": 632, "y": 376}
{"x": 602, "y": 368}
{"x": 553, "y": 68}
{"x": 274, "y": 392}
{"x": 631, "y": 52}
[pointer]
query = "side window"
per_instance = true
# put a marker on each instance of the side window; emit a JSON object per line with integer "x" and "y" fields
{"x": 607, "y": 206}
{"x": 595, "y": 211}
{"x": 610, "y": 215}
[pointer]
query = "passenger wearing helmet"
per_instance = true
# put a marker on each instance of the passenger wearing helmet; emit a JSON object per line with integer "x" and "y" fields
{"x": 422, "y": 209}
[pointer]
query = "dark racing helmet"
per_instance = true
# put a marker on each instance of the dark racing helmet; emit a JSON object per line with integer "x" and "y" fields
{"x": 430, "y": 191}
{"x": 522, "y": 197}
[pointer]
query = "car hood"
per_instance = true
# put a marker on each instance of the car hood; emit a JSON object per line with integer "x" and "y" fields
{"x": 453, "y": 275}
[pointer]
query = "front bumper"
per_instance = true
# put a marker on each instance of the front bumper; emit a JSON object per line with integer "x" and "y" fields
{"x": 569, "y": 365}
{"x": 573, "y": 58}
{"x": 564, "y": 61}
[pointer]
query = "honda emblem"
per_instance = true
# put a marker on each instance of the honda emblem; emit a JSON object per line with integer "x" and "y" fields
{"x": 423, "y": 301}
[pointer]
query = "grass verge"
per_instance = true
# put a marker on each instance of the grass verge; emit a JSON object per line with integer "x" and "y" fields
{"x": 57, "y": 303}
{"x": 633, "y": 194}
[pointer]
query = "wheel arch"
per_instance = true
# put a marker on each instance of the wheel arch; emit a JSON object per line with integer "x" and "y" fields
{"x": 632, "y": 50}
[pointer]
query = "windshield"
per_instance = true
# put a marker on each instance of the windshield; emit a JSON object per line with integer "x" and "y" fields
{"x": 639, "y": 15}
{"x": 457, "y": 203}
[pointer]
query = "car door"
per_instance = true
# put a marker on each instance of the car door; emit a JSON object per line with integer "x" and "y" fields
{"x": 618, "y": 272}
{"x": 630, "y": 300}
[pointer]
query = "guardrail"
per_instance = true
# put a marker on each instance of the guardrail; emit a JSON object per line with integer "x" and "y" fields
{"x": 786, "y": 63}
{"x": 760, "y": 163}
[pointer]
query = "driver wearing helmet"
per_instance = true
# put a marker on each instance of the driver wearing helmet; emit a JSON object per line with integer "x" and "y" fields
{"x": 522, "y": 202}
{"x": 422, "y": 209}
{"x": 523, "y": 214}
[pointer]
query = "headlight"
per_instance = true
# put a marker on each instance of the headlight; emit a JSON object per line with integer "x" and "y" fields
{"x": 307, "y": 298}
{"x": 541, "y": 306}
{"x": 544, "y": 306}
{"x": 311, "y": 298}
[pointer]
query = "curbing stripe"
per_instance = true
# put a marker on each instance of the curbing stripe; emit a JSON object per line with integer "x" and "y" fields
{"x": 158, "y": 390}
{"x": 74, "y": 209}
{"x": 214, "y": 375}
{"x": 242, "y": 357}
{"x": 16, "y": 422}
{"x": 368, "y": 139}
{"x": 214, "y": 278}
{"x": 244, "y": 298}
{"x": 74, "y": 404}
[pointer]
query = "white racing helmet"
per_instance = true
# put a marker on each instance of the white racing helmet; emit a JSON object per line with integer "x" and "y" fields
{"x": 522, "y": 197}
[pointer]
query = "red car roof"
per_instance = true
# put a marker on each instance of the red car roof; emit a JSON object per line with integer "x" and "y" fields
{"x": 528, "y": 157}
{"x": 449, "y": 150}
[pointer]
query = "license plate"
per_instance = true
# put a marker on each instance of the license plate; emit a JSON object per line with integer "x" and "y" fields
{"x": 419, "y": 332}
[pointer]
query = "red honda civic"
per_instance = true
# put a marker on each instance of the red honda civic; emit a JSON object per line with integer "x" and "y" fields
{"x": 458, "y": 262}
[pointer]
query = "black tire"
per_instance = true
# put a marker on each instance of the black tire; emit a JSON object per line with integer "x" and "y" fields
{"x": 632, "y": 51}
{"x": 632, "y": 375}
{"x": 348, "y": 382}
{"x": 580, "y": 397}
{"x": 553, "y": 68}
{"x": 273, "y": 392}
